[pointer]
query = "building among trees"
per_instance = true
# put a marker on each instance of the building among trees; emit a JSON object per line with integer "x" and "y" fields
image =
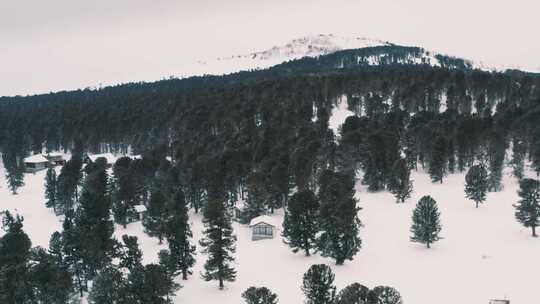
{"x": 35, "y": 163}
{"x": 262, "y": 227}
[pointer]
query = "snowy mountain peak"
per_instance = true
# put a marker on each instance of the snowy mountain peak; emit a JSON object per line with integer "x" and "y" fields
{"x": 312, "y": 46}
{"x": 308, "y": 46}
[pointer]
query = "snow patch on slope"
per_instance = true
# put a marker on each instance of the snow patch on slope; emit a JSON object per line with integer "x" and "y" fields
{"x": 340, "y": 112}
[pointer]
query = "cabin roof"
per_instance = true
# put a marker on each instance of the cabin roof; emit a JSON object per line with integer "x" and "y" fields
{"x": 54, "y": 154}
{"x": 140, "y": 208}
{"x": 262, "y": 219}
{"x": 36, "y": 159}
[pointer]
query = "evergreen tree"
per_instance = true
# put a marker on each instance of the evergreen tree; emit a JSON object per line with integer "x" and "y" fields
{"x": 14, "y": 171}
{"x": 426, "y": 225}
{"x": 387, "y": 295}
{"x": 496, "y": 153}
{"x": 131, "y": 254}
{"x": 528, "y": 207}
{"x": 318, "y": 285}
{"x": 179, "y": 235}
{"x": 124, "y": 194}
{"x": 476, "y": 184}
{"x": 67, "y": 182}
{"x": 338, "y": 217}
{"x": 109, "y": 287}
{"x": 154, "y": 221}
{"x": 300, "y": 225}
{"x": 255, "y": 204}
{"x": 50, "y": 281}
{"x": 218, "y": 243}
{"x": 259, "y": 295}
{"x": 354, "y": 293}
{"x": 519, "y": 152}
{"x": 93, "y": 225}
{"x": 50, "y": 188}
{"x": 14, "y": 255}
{"x": 400, "y": 183}
{"x": 438, "y": 160}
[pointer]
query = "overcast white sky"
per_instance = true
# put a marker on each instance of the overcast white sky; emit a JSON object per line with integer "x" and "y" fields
{"x": 66, "y": 44}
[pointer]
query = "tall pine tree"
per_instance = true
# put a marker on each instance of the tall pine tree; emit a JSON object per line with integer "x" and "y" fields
{"x": 476, "y": 184}
{"x": 528, "y": 207}
{"x": 400, "y": 183}
{"x": 218, "y": 242}
{"x": 426, "y": 224}
{"x": 50, "y": 188}
{"x": 300, "y": 225}
{"x": 318, "y": 285}
{"x": 338, "y": 218}
{"x": 179, "y": 235}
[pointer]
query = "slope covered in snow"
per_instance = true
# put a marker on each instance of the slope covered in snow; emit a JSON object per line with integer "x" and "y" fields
{"x": 309, "y": 46}
{"x": 483, "y": 255}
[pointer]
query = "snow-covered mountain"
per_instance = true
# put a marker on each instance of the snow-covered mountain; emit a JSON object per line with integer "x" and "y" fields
{"x": 309, "y": 46}
{"x": 326, "y": 44}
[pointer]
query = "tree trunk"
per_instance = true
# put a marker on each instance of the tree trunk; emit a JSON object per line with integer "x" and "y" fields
{"x": 184, "y": 274}
{"x": 428, "y": 245}
{"x": 221, "y": 283}
{"x": 534, "y": 231}
{"x": 476, "y": 204}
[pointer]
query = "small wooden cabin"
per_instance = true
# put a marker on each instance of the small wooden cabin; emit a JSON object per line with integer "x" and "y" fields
{"x": 262, "y": 227}
{"x": 499, "y": 301}
{"x": 141, "y": 211}
{"x": 35, "y": 163}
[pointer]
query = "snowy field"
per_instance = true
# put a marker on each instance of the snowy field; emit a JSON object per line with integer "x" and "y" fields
{"x": 485, "y": 253}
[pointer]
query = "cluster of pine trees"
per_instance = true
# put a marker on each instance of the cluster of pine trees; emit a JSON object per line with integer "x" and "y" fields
{"x": 327, "y": 222}
{"x": 319, "y": 288}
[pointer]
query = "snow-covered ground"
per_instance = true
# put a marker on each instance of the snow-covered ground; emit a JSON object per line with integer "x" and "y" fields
{"x": 485, "y": 253}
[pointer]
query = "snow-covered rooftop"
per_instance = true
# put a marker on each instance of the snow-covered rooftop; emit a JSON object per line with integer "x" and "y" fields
{"x": 262, "y": 219}
{"x": 54, "y": 154}
{"x": 140, "y": 208}
{"x": 38, "y": 158}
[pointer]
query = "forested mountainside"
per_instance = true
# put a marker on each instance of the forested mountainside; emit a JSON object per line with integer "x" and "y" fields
{"x": 433, "y": 110}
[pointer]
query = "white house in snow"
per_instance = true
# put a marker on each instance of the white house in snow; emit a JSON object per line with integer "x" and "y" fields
{"x": 262, "y": 227}
{"x": 35, "y": 163}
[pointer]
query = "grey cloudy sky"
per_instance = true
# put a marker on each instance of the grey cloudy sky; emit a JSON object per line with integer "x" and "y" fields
{"x": 66, "y": 44}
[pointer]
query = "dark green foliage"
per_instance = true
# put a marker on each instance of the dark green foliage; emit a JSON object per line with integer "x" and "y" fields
{"x": 400, "y": 183}
{"x": 476, "y": 184}
{"x": 300, "y": 225}
{"x": 154, "y": 221}
{"x": 438, "y": 159}
{"x": 50, "y": 188}
{"x": 109, "y": 287}
{"x": 338, "y": 217}
{"x": 519, "y": 152}
{"x": 50, "y": 280}
{"x": 91, "y": 233}
{"x": 259, "y": 295}
{"x": 387, "y": 295}
{"x": 67, "y": 183}
{"x": 14, "y": 171}
{"x": 354, "y": 293}
{"x": 258, "y": 196}
{"x": 179, "y": 236}
{"x": 528, "y": 207}
{"x": 218, "y": 243}
{"x": 130, "y": 255}
{"x": 496, "y": 152}
{"x": 124, "y": 193}
{"x": 14, "y": 255}
{"x": 426, "y": 224}
{"x": 318, "y": 285}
